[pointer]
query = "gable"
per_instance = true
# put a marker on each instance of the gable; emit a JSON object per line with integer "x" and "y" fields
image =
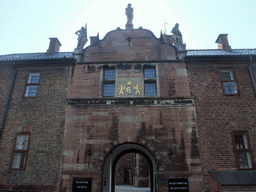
{"x": 129, "y": 45}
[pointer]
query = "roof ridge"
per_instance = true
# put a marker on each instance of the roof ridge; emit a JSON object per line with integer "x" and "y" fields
{"x": 36, "y": 53}
{"x": 219, "y": 49}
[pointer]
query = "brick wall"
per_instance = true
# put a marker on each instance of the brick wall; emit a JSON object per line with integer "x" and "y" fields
{"x": 218, "y": 115}
{"x": 44, "y": 118}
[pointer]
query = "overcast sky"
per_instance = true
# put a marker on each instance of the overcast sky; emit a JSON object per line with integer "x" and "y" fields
{"x": 26, "y": 25}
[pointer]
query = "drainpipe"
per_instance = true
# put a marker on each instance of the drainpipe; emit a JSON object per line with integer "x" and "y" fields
{"x": 8, "y": 101}
{"x": 251, "y": 75}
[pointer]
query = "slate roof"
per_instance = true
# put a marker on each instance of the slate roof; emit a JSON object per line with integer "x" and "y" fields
{"x": 69, "y": 55}
{"x": 234, "y": 177}
{"x": 220, "y": 52}
{"x": 36, "y": 56}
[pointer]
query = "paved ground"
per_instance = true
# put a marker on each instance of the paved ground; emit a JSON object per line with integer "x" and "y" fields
{"x": 131, "y": 188}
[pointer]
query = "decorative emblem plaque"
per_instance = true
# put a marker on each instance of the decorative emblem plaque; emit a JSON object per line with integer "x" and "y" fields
{"x": 129, "y": 89}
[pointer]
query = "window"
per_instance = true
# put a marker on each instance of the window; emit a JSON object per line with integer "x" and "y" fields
{"x": 228, "y": 82}
{"x": 149, "y": 72}
{"x": 20, "y": 151}
{"x": 109, "y": 89}
{"x": 150, "y": 88}
{"x": 242, "y": 150}
{"x": 109, "y": 82}
{"x": 150, "y": 81}
{"x": 32, "y": 85}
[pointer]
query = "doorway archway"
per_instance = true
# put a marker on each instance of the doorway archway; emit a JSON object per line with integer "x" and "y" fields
{"x": 108, "y": 184}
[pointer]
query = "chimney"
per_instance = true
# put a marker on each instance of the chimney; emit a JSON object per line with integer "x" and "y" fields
{"x": 222, "y": 42}
{"x": 54, "y": 46}
{"x": 168, "y": 39}
{"x": 94, "y": 40}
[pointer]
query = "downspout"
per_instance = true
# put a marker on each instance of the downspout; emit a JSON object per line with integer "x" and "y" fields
{"x": 251, "y": 75}
{"x": 8, "y": 101}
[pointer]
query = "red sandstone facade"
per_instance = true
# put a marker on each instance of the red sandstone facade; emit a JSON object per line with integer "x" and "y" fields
{"x": 162, "y": 124}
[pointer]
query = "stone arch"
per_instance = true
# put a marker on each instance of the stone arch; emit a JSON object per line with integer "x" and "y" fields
{"x": 113, "y": 157}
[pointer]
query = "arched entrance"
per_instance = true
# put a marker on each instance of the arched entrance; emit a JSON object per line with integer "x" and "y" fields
{"x": 108, "y": 184}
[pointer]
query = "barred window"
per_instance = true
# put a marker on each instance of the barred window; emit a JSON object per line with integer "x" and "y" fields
{"x": 242, "y": 150}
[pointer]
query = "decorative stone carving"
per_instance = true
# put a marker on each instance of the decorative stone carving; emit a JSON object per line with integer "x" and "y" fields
{"x": 82, "y": 37}
{"x": 129, "y": 13}
{"x": 177, "y": 38}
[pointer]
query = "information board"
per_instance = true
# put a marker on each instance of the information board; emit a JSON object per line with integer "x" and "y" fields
{"x": 179, "y": 184}
{"x": 82, "y": 184}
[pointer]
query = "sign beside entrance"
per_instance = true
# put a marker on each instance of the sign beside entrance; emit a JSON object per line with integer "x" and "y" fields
{"x": 82, "y": 184}
{"x": 179, "y": 184}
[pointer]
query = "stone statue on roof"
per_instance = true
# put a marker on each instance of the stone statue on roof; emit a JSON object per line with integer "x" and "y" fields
{"x": 177, "y": 36}
{"x": 129, "y": 13}
{"x": 82, "y": 37}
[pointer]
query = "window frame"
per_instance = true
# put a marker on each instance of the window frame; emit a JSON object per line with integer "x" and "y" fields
{"x": 30, "y": 84}
{"x": 249, "y": 150}
{"x": 228, "y": 81}
{"x": 108, "y": 81}
{"x": 150, "y": 80}
{"x": 21, "y": 151}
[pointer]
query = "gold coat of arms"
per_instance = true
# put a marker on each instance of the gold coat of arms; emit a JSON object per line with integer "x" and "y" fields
{"x": 129, "y": 89}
